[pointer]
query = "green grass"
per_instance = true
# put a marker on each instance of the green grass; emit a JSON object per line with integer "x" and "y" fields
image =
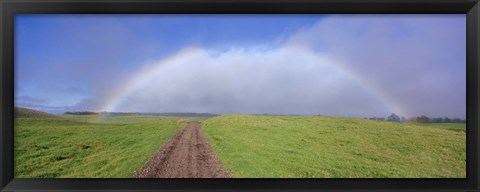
{"x": 126, "y": 119}
{"x": 46, "y": 148}
{"x": 449, "y": 126}
{"x": 120, "y": 119}
{"x": 327, "y": 147}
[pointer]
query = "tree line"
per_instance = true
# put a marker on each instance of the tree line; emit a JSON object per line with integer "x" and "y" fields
{"x": 142, "y": 114}
{"x": 419, "y": 119}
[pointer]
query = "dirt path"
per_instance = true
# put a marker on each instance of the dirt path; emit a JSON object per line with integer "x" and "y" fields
{"x": 186, "y": 155}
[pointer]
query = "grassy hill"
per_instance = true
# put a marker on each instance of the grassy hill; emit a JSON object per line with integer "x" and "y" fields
{"x": 30, "y": 113}
{"x": 249, "y": 146}
{"x": 50, "y": 148}
{"x": 328, "y": 147}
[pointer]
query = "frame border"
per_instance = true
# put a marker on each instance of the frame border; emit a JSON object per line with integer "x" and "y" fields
{"x": 8, "y": 9}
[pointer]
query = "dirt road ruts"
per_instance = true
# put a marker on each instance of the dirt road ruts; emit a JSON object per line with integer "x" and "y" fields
{"x": 186, "y": 155}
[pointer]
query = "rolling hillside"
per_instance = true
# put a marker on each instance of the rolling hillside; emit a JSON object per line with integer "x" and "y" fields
{"x": 330, "y": 147}
{"x": 30, "y": 113}
{"x": 51, "y": 148}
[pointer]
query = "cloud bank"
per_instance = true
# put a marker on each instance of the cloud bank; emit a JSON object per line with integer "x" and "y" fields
{"x": 246, "y": 80}
{"x": 411, "y": 62}
{"x": 344, "y": 65}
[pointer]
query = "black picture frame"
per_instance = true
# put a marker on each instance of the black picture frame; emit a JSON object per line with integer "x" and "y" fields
{"x": 8, "y": 9}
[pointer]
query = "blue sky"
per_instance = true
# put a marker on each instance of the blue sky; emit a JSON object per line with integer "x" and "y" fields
{"x": 342, "y": 65}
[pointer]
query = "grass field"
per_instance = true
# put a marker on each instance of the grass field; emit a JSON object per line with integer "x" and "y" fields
{"x": 76, "y": 146}
{"x": 30, "y": 113}
{"x": 327, "y": 147}
{"x": 128, "y": 119}
{"x": 449, "y": 126}
{"x": 69, "y": 148}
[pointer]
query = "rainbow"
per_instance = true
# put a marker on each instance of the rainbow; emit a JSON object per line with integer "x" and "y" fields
{"x": 381, "y": 95}
{"x": 143, "y": 77}
{"x": 152, "y": 70}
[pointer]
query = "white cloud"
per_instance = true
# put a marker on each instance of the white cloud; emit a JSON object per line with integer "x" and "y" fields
{"x": 252, "y": 80}
{"x": 415, "y": 62}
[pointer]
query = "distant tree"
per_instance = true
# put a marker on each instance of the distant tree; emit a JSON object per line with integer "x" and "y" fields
{"x": 393, "y": 117}
{"x": 377, "y": 118}
{"x": 456, "y": 120}
{"x": 423, "y": 119}
{"x": 403, "y": 119}
{"x": 80, "y": 113}
{"x": 437, "y": 120}
{"x": 447, "y": 120}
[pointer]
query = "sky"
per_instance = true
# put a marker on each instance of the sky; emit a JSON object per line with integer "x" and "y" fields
{"x": 332, "y": 65}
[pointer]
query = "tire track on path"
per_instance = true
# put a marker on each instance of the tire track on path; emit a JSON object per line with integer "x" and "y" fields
{"x": 186, "y": 155}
